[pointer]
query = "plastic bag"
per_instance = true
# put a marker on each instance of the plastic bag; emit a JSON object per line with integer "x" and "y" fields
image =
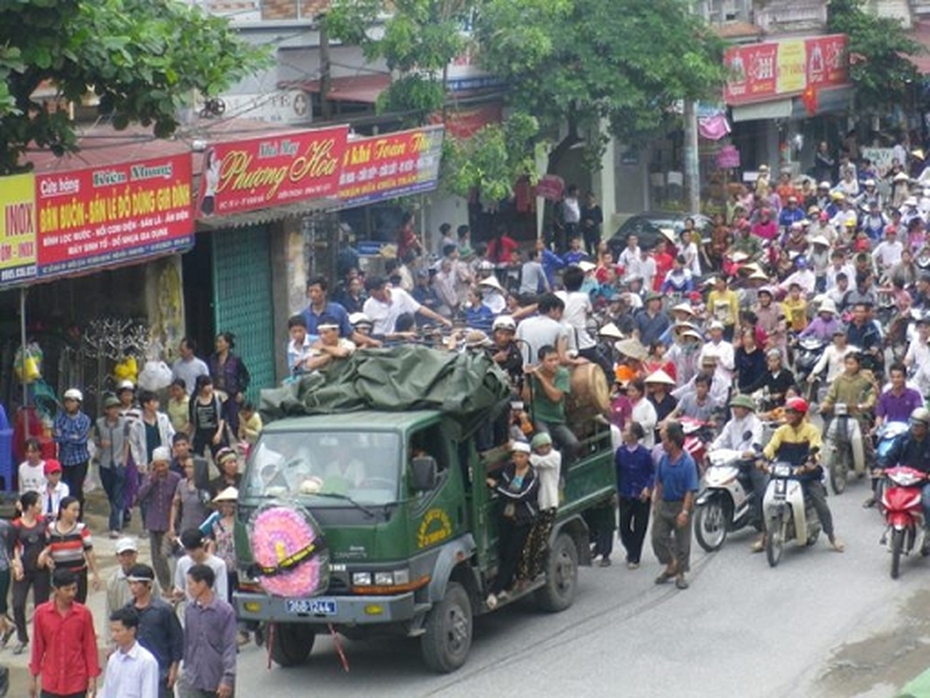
{"x": 28, "y": 363}
{"x": 127, "y": 369}
{"x": 156, "y": 375}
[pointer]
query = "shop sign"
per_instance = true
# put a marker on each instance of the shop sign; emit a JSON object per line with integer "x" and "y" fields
{"x": 271, "y": 171}
{"x": 17, "y": 228}
{"x": 769, "y": 70}
{"x": 395, "y": 164}
{"x": 101, "y": 216}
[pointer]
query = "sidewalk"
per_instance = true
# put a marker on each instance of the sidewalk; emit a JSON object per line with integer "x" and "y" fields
{"x": 96, "y": 510}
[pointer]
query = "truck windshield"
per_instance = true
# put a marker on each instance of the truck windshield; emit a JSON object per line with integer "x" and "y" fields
{"x": 363, "y": 466}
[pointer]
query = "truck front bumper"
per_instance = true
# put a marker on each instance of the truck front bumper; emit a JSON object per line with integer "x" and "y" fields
{"x": 348, "y": 610}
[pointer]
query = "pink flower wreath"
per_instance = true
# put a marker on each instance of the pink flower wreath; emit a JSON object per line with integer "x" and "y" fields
{"x": 287, "y": 546}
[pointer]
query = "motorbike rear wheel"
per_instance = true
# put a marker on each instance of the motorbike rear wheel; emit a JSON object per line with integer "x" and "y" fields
{"x": 775, "y": 541}
{"x": 897, "y": 547}
{"x": 711, "y": 524}
{"x": 839, "y": 469}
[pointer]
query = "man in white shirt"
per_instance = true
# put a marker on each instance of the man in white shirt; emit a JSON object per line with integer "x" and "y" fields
{"x": 839, "y": 264}
{"x": 298, "y": 346}
{"x": 32, "y": 470}
{"x": 631, "y": 257}
{"x": 55, "y": 490}
{"x": 577, "y": 310}
{"x": 888, "y": 252}
{"x": 543, "y": 329}
{"x": 717, "y": 346}
{"x": 131, "y": 670}
{"x": 188, "y": 366}
{"x": 386, "y": 304}
{"x": 195, "y": 547}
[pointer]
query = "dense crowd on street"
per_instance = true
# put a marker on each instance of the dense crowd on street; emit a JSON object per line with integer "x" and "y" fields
{"x": 804, "y": 295}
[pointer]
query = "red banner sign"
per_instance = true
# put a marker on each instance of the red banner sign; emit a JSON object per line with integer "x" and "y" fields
{"x": 104, "y": 215}
{"x": 770, "y": 70}
{"x": 395, "y": 164}
{"x": 271, "y": 171}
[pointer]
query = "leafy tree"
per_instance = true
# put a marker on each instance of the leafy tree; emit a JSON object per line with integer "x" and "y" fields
{"x": 627, "y": 61}
{"x": 878, "y": 49}
{"x": 144, "y": 59}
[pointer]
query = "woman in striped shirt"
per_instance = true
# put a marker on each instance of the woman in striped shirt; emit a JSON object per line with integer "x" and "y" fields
{"x": 69, "y": 545}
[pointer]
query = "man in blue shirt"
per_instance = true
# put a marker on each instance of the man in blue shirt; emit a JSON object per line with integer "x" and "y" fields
{"x": 676, "y": 485}
{"x": 321, "y": 307}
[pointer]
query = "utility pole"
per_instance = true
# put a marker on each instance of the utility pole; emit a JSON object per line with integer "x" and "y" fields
{"x": 692, "y": 170}
{"x": 326, "y": 78}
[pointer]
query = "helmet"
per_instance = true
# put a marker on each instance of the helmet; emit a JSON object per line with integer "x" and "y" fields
{"x": 504, "y": 322}
{"x": 796, "y": 404}
{"x": 359, "y": 319}
{"x": 922, "y": 415}
{"x": 74, "y": 394}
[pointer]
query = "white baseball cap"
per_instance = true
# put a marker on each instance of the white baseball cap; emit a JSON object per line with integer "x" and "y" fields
{"x": 74, "y": 394}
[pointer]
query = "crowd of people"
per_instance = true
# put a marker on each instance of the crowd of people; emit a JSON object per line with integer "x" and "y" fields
{"x": 801, "y": 296}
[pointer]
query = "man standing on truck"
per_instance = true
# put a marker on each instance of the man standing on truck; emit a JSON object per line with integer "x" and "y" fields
{"x": 320, "y": 306}
{"x": 385, "y": 305}
{"x": 673, "y": 502}
{"x": 545, "y": 389}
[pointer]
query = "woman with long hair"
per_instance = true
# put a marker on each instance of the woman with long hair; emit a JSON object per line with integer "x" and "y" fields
{"x": 208, "y": 426}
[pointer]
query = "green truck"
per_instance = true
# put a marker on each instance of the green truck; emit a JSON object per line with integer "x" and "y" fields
{"x": 410, "y": 527}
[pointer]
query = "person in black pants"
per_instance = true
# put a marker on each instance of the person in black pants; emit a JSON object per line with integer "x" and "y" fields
{"x": 28, "y": 543}
{"x": 635, "y": 479}
{"x": 517, "y": 487}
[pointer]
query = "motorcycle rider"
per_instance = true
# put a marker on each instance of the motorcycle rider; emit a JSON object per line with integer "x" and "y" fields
{"x": 856, "y": 389}
{"x": 798, "y": 442}
{"x": 912, "y": 449}
{"x": 743, "y": 433}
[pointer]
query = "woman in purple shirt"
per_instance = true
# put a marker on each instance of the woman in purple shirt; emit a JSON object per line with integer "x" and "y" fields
{"x": 635, "y": 479}
{"x": 230, "y": 377}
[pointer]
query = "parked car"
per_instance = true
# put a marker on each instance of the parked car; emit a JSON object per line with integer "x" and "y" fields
{"x": 647, "y": 226}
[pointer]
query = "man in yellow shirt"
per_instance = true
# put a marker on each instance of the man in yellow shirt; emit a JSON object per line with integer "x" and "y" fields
{"x": 798, "y": 442}
{"x": 795, "y": 308}
{"x": 723, "y": 306}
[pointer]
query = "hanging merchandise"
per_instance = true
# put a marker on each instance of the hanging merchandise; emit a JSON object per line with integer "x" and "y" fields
{"x": 155, "y": 376}
{"x": 714, "y": 128}
{"x": 28, "y": 363}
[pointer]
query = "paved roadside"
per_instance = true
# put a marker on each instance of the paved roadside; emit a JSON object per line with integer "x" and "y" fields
{"x": 96, "y": 510}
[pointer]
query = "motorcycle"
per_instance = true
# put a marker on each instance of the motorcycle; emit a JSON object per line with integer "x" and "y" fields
{"x": 904, "y": 514}
{"x": 807, "y": 354}
{"x": 697, "y": 435}
{"x": 788, "y": 514}
{"x": 725, "y": 501}
{"x": 840, "y": 459}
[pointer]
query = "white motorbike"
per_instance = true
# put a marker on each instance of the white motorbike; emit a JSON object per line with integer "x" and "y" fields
{"x": 725, "y": 501}
{"x": 788, "y": 514}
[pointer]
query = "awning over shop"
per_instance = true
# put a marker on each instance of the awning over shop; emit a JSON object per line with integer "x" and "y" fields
{"x": 364, "y": 89}
{"x": 775, "y": 109}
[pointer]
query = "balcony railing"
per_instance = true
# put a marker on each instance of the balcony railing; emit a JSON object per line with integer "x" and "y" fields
{"x": 247, "y": 11}
{"x": 774, "y": 16}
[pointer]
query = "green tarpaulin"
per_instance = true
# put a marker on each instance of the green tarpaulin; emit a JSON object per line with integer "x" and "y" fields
{"x": 467, "y": 388}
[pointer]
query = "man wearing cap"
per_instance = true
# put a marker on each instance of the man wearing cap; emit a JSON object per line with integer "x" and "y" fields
{"x": 196, "y": 553}
{"x": 156, "y": 494}
{"x": 112, "y": 454}
{"x": 159, "y": 629}
{"x": 651, "y": 322}
{"x": 825, "y": 324}
{"x": 71, "y": 430}
{"x": 118, "y": 591}
{"x": 55, "y": 488}
{"x": 887, "y": 253}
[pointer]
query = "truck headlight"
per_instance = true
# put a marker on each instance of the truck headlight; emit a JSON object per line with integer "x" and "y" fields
{"x": 361, "y": 579}
{"x": 402, "y": 577}
{"x": 384, "y": 579}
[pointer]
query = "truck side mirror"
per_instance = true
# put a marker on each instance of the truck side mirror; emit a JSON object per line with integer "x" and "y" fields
{"x": 423, "y": 474}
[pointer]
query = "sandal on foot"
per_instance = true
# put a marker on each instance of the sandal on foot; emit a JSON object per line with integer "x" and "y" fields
{"x": 665, "y": 577}
{"x": 681, "y": 582}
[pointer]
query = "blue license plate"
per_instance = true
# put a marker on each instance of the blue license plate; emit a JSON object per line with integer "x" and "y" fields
{"x": 311, "y": 607}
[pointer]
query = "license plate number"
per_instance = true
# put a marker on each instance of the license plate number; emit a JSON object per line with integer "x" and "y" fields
{"x": 781, "y": 487}
{"x": 312, "y": 607}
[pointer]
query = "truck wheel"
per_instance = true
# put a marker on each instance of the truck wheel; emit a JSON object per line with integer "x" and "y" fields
{"x": 291, "y": 643}
{"x": 561, "y": 576}
{"x": 448, "y": 630}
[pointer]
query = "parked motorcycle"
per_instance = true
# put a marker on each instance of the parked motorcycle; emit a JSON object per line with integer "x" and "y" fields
{"x": 788, "y": 514}
{"x": 904, "y": 514}
{"x": 839, "y": 454}
{"x": 725, "y": 501}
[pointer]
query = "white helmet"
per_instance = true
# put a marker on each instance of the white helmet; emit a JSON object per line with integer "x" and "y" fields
{"x": 359, "y": 319}
{"x": 74, "y": 394}
{"x": 922, "y": 415}
{"x": 504, "y": 322}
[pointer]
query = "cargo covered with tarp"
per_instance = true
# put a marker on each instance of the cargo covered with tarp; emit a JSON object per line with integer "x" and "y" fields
{"x": 466, "y": 387}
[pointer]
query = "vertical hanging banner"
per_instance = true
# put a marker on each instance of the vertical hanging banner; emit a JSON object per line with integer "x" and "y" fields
{"x": 17, "y": 229}
{"x": 104, "y": 215}
{"x": 395, "y": 164}
{"x": 271, "y": 171}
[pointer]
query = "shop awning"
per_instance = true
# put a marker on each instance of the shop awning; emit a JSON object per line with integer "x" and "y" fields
{"x": 774, "y": 109}
{"x": 921, "y": 35}
{"x": 364, "y": 89}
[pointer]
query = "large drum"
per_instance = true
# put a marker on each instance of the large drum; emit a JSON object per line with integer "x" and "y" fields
{"x": 589, "y": 396}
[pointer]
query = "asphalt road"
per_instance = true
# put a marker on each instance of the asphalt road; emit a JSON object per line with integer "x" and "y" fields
{"x": 822, "y": 624}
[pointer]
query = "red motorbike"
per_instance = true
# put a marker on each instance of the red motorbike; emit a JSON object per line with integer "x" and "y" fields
{"x": 698, "y": 435}
{"x": 904, "y": 513}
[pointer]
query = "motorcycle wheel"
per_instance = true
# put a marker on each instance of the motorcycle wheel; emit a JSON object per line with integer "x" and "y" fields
{"x": 711, "y": 524}
{"x": 839, "y": 470}
{"x": 775, "y": 542}
{"x": 897, "y": 547}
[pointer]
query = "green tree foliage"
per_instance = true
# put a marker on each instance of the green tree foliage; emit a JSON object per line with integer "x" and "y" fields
{"x": 143, "y": 58}
{"x": 878, "y": 47}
